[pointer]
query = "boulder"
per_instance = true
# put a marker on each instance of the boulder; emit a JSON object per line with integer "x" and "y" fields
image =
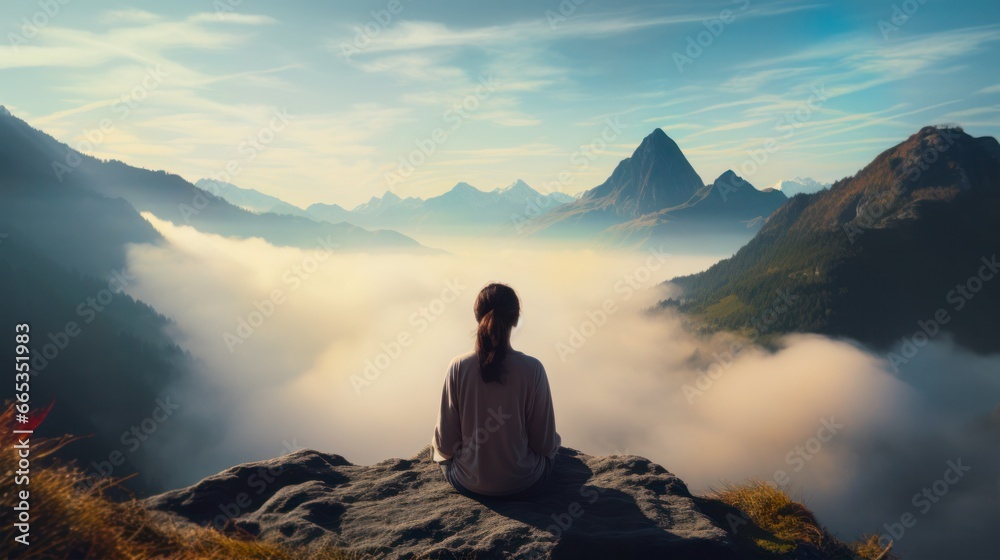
{"x": 620, "y": 506}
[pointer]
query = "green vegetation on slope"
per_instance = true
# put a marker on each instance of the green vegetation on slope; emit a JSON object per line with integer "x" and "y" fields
{"x": 872, "y": 256}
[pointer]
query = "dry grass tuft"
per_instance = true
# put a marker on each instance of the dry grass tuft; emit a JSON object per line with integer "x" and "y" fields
{"x": 786, "y": 526}
{"x": 870, "y": 548}
{"x": 70, "y": 522}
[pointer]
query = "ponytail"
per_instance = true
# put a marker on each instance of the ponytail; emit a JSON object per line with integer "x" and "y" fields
{"x": 497, "y": 310}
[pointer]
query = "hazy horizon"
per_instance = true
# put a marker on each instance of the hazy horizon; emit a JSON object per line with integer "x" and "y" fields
{"x": 358, "y": 90}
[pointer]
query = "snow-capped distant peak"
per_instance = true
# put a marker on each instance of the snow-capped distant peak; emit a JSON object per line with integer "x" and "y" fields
{"x": 517, "y": 186}
{"x": 798, "y": 185}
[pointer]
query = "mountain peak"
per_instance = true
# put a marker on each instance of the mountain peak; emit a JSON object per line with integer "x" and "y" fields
{"x": 920, "y": 210}
{"x": 463, "y": 187}
{"x": 658, "y": 140}
{"x": 390, "y": 196}
{"x": 934, "y": 130}
{"x": 517, "y": 187}
{"x": 656, "y": 176}
{"x": 657, "y": 133}
{"x": 729, "y": 175}
{"x": 4, "y": 112}
{"x": 731, "y": 182}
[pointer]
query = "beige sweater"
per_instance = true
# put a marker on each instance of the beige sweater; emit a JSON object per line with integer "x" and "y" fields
{"x": 496, "y": 434}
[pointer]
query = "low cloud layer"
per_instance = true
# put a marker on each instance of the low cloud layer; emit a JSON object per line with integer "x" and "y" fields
{"x": 346, "y": 353}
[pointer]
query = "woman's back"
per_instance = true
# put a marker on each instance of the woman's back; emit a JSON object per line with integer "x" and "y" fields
{"x": 497, "y": 434}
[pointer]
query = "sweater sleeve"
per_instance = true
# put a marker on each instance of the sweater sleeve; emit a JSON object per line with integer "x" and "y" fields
{"x": 542, "y": 436}
{"x": 448, "y": 431}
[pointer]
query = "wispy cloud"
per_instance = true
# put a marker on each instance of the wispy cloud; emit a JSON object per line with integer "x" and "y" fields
{"x": 858, "y": 58}
{"x": 556, "y": 87}
{"x": 232, "y": 17}
{"x": 414, "y": 35}
{"x": 129, "y": 15}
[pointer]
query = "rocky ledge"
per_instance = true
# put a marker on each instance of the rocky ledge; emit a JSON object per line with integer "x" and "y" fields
{"x": 612, "y": 507}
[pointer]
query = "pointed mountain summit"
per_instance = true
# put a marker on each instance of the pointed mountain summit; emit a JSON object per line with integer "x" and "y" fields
{"x": 655, "y": 193}
{"x": 656, "y": 176}
{"x": 463, "y": 189}
{"x": 896, "y": 249}
{"x": 378, "y": 205}
{"x": 517, "y": 187}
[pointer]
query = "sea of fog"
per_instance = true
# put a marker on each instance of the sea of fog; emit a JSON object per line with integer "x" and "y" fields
{"x": 346, "y": 353}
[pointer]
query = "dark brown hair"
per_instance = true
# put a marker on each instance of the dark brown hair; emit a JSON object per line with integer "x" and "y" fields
{"x": 497, "y": 309}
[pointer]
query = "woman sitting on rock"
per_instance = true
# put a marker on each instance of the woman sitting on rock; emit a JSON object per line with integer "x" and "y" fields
{"x": 496, "y": 431}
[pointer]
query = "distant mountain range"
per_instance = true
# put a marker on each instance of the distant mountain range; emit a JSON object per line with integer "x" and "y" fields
{"x": 464, "y": 209}
{"x": 654, "y": 195}
{"x": 44, "y": 182}
{"x": 651, "y": 196}
{"x": 799, "y": 185}
{"x": 250, "y": 199}
{"x": 901, "y": 252}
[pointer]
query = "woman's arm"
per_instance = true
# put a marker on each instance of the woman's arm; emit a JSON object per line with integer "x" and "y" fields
{"x": 448, "y": 431}
{"x": 542, "y": 436}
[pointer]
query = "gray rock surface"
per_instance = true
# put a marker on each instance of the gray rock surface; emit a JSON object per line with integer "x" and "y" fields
{"x": 596, "y": 507}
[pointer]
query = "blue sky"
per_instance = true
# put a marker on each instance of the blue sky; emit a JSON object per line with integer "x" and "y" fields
{"x": 335, "y": 102}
